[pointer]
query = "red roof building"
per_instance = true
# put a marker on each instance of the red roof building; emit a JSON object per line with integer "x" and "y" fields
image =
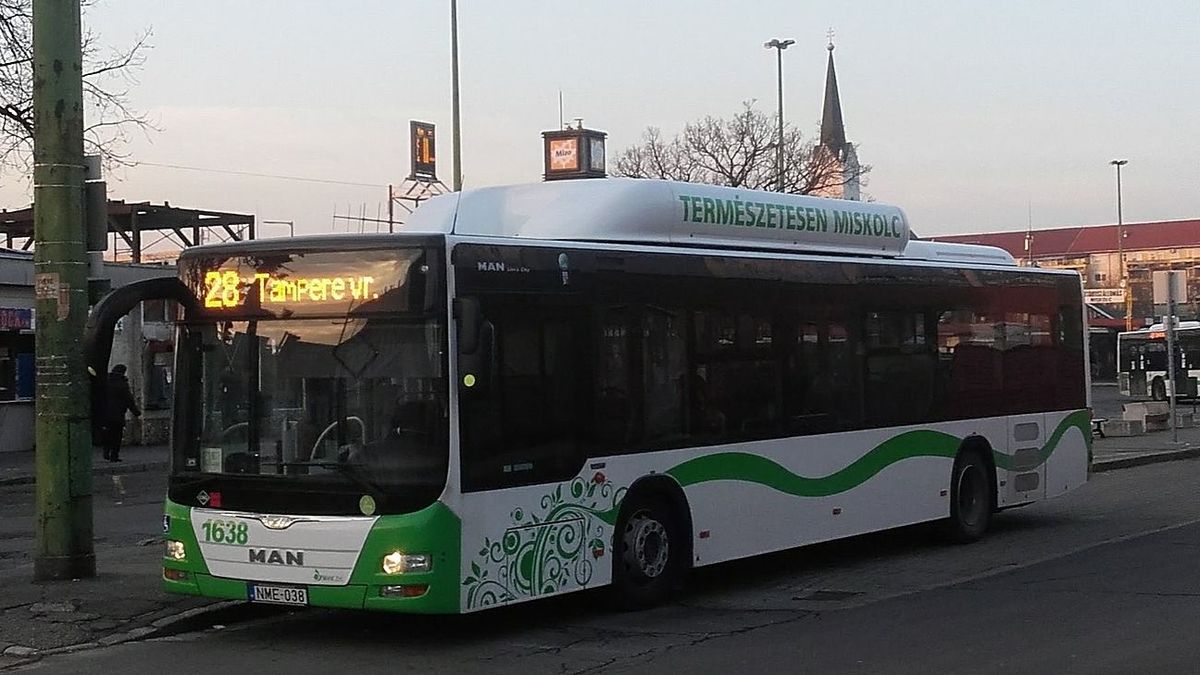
{"x": 1076, "y": 242}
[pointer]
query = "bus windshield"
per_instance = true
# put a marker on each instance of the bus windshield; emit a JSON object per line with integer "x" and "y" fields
{"x": 352, "y": 403}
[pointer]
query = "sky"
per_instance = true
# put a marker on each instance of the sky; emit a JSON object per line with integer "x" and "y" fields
{"x": 975, "y": 116}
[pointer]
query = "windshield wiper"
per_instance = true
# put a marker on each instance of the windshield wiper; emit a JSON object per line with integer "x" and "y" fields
{"x": 349, "y": 471}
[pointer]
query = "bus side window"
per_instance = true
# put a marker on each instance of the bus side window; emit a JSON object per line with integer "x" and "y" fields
{"x": 614, "y": 416}
{"x": 664, "y": 373}
{"x": 900, "y": 367}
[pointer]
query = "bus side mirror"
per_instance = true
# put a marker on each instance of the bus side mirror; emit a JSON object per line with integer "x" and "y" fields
{"x": 477, "y": 369}
{"x": 468, "y": 316}
{"x": 476, "y": 339}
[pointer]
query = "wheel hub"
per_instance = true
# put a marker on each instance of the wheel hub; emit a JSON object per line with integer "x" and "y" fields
{"x": 647, "y": 548}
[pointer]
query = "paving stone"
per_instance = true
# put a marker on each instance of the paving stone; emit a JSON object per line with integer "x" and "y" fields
{"x": 104, "y": 625}
{"x": 69, "y": 649}
{"x": 71, "y": 617}
{"x": 13, "y": 661}
{"x": 53, "y": 607}
{"x": 114, "y": 639}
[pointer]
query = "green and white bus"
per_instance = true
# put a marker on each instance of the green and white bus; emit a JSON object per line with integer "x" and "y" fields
{"x": 1142, "y": 361}
{"x": 539, "y": 389}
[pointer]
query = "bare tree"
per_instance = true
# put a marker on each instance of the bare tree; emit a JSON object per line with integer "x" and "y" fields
{"x": 107, "y": 75}
{"x": 739, "y": 152}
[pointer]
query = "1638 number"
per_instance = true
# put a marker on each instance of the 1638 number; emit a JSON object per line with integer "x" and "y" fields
{"x": 225, "y": 532}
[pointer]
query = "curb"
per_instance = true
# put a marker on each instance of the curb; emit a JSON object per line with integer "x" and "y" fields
{"x": 107, "y": 470}
{"x": 1144, "y": 459}
{"x": 159, "y": 627}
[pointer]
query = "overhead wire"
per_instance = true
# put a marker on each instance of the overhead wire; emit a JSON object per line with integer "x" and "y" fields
{"x": 252, "y": 174}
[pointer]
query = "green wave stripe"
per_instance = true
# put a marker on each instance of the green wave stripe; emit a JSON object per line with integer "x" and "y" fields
{"x": 1080, "y": 419}
{"x": 741, "y": 466}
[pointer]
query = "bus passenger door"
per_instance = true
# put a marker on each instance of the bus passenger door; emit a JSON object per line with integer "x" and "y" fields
{"x": 1026, "y": 470}
{"x": 1137, "y": 371}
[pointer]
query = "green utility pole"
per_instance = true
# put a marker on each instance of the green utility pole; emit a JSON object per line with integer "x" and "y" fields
{"x": 63, "y": 431}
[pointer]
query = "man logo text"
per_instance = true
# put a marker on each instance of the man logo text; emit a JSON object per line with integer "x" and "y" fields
{"x": 274, "y": 556}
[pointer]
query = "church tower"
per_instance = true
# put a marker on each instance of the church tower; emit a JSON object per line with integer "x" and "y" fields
{"x": 833, "y": 146}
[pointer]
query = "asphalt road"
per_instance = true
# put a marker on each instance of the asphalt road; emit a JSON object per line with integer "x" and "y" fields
{"x": 1101, "y": 580}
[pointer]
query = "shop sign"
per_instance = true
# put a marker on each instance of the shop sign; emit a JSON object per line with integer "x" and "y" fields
{"x": 1104, "y": 296}
{"x": 12, "y": 318}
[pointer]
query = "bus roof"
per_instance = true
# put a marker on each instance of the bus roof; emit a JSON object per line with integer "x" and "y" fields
{"x": 643, "y": 211}
{"x": 1158, "y": 329}
{"x": 661, "y": 213}
{"x": 667, "y": 212}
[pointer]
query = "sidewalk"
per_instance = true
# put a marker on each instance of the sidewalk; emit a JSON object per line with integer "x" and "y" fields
{"x": 125, "y": 601}
{"x": 17, "y": 468}
{"x": 1120, "y": 453}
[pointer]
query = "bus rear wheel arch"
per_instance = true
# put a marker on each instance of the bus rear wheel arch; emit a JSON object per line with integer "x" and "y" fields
{"x": 972, "y": 493}
{"x": 652, "y": 544}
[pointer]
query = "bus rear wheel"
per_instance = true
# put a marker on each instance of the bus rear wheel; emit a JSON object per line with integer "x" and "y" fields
{"x": 1158, "y": 390}
{"x": 971, "y": 498}
{"x": 648, "y": 564}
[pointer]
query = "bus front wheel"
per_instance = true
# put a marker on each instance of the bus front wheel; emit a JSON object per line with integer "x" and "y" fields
{"x": 648, "y": 565}
{"x": 971, "y": 499}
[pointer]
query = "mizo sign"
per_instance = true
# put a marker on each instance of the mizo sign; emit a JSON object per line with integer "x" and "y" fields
{"x": 1104, "y": 296}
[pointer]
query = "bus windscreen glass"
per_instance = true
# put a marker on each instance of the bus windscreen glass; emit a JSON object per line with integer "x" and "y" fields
{"x": 335, "y": 386}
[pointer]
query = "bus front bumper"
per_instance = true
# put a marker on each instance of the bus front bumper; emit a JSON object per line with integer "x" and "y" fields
{"x": 435, "y": 529}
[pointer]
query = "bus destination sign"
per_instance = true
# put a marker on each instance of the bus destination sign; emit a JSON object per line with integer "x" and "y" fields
{"x": 227, "y": 289}
{"x": 308, "y": 283}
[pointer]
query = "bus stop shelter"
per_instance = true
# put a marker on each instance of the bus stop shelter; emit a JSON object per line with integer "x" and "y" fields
{"x": 141, "y": 225}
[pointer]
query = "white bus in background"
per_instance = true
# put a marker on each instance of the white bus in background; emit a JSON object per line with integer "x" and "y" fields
{"x": 1142, "y": 361}
{"x": 532, "y": 390}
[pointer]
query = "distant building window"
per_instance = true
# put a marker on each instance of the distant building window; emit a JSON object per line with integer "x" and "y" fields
{"x": 158, "y": 311}
{"x": 1100, "y": 276}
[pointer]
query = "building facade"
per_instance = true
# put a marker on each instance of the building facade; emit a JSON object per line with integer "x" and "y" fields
{"x": 142, "y": 341}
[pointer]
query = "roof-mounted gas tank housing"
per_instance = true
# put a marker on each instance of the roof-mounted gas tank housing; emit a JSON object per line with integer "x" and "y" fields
{"x": 666, "y": 212}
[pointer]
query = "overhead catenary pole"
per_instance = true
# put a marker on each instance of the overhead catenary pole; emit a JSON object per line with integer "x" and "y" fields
{"x": 63, "y": 524}
{"x": 455, "y": 132}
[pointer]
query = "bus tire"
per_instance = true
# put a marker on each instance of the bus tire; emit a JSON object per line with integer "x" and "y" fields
{"x": 972, "y": 498}
{"x": 649, "y": 562}
{"x": 1158, "y": 390}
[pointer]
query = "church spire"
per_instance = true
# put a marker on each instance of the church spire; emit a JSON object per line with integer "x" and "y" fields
{"x": 833, "y": 132}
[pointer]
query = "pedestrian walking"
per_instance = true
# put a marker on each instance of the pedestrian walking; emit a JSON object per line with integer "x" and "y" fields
{"x": 118, "y": 399}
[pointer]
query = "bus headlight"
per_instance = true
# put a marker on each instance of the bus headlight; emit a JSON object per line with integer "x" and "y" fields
{"x": 175, "y": 550}
{"x": 398, "y": 562}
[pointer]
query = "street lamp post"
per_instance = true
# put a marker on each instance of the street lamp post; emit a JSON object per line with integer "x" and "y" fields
{"x": 779, "y": 45}
{"x": 1121, "y": 248}
{"x": 455, "y": 132}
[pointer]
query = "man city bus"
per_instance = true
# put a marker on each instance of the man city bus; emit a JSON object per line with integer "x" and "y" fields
{"x": 538, "y": 389}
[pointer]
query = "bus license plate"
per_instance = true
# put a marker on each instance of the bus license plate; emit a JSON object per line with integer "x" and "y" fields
{"x": 277, "y": 595}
